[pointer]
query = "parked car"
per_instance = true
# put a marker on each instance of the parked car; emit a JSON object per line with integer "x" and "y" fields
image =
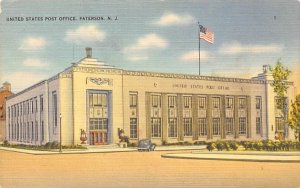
{"x": 146, "y": 145}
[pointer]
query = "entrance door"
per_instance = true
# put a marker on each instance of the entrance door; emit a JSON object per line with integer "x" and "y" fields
{"x": 98, "y": 137}
{"x": 98, "y": 118}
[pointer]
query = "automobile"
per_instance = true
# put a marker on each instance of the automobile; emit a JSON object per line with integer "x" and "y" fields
{"x": 146, "y": 145}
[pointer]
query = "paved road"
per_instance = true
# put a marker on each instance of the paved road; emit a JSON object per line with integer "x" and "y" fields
{"x": 139, "y": 169}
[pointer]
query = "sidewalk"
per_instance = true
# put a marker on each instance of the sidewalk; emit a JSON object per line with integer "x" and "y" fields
{"x": 291, "y": 157}
{"x": 100, "y": 149}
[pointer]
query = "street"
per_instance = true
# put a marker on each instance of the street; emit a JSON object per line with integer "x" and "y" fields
{"x": 139, "y": 169}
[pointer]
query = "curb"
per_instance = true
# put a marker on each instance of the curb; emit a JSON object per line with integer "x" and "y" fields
{"x": 198, "y": 157}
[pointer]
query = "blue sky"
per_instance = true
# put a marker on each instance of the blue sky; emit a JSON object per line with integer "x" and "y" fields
{"x": 148, "y": 35}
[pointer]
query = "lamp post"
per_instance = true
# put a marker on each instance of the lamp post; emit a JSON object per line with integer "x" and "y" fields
{"x": 60, "y": 148}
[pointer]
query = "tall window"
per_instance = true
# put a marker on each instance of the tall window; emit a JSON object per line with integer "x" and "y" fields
{"x": 42, "y": 131}
{"x": 229, "y": 102}
{"x": 187, "y": 125}
{"x": 279, "y": 124}
{"x": 216, "y": 102}
{"x": 32, "y": 106}
{"x": 258, "y": 125}
{"x": 202, "y": 102}
{"x": 36, "y": 131}
{"x": 54, "y": 110}
{"x": 133, "y": 100}
{"x": 172, "y": 127}
{"x": 156, "y": 127}
{"x": 35, "y": 105}
{"x": 156, "y": 101}
{"x": 41, "y": 103}
{"x": 258, "y": 103}
{"x": 242, "y": 125}
{"x": 229, "y": 126}
{"x": 187, "y": 101}
{"x": 279, "y": 103}
{"x": 242, "y": 102}
{"x": 216, "y": 127}
{"x": 202, "y": 126}
{"x": 171, "y": 101}
{"x": 133, "y": 127}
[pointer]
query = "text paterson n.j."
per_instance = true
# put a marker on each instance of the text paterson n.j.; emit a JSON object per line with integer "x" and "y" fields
{"x": 60, "y": 18}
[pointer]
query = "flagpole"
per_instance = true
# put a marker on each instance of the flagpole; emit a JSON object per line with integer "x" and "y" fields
{"x": 199, "y": 46}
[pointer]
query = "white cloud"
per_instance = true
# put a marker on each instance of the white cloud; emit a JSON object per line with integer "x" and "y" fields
{"x": 170, "y": 19}
{"x": 237, "y": 48}
{"x": 85, "y": 34}
{"x": 22, "y": 80}
{"x": 193, "y": 56}
{"x": 31, "y": 62}
{"x": 140, "y": 50}
{"x": 33, "y": 43}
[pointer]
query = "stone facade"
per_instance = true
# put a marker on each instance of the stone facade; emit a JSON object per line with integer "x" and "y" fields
{"x": 101, "y": 100}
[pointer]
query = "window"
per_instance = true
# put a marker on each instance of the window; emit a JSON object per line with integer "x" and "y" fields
{"x": 172, "y": 127}
{"x": 202, "y": 126}
{"x": 36, "y": 131}
{"x": 187, "y": 102}
{"x": 242, "y": 125}
{"x": 216, "y": 102}
{"x": 242, "y": 102}
{"x": 42, "y": 131}
{"x": 229, "y": 102}
{"x": 41, "y": 103}
{"x": 133, "y": 127}
{"x": 9, "y": 112}
{"x": 98, "y": 123}
{"x": 229, "y": 126}
{"x": 156, "y": 101}
{"x": 258, "y": 125}
{"x": 279, "y": 124}
{"x": 278, "y": 103}
{"x": 54, "y": 109}
{"x": 258, "y": 102}
{"x": 202, "y": 102}
{"x": 31, "y": 105}
{"x": 32, "y": 133}
{"x": 155, "y": 127}
{"x": 35, "y": 105}
{"x": 133, "y": 100}
{"x": 187, "y": 125}
{"x": 171, "y": 101}
{"x": 216, "y": 127}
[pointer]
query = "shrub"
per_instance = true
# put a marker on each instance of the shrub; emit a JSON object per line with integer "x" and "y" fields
{"x": 234, "y": 145}
{"x": 219, "y": 145}
{"x": 211, "y": 146}
{"x": 226, "y": 145}
{"x": 258, "y": 145}
{"x": 5, "y": 143}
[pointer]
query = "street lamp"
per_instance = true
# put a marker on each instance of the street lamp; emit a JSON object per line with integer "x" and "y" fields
{"x": 60, "y": 148}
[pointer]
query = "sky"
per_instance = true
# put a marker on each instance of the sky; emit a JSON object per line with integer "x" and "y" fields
{"x": 40, "y": 38}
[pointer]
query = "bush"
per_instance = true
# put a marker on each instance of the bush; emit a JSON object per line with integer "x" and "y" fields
{"x": 226, "y": 146}
{"x": 219, "y": 145}
{"x": 211, "y": 146}
{"x": 5, "y": 143}
{"x": 233, "y": 145}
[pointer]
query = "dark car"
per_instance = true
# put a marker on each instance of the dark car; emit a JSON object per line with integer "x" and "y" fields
{"x": 146, "y": 145}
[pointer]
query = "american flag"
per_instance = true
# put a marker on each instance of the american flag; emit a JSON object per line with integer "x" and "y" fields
{"x": 206, "y": 35}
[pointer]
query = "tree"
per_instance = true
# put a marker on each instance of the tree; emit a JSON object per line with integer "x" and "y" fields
{"x": 294, "y": 117}
{"x": 280, "y": 75}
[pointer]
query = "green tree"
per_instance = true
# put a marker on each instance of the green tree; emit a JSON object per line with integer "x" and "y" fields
{"x": 280, "y": 75}
{"x": 294, "y": 117}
